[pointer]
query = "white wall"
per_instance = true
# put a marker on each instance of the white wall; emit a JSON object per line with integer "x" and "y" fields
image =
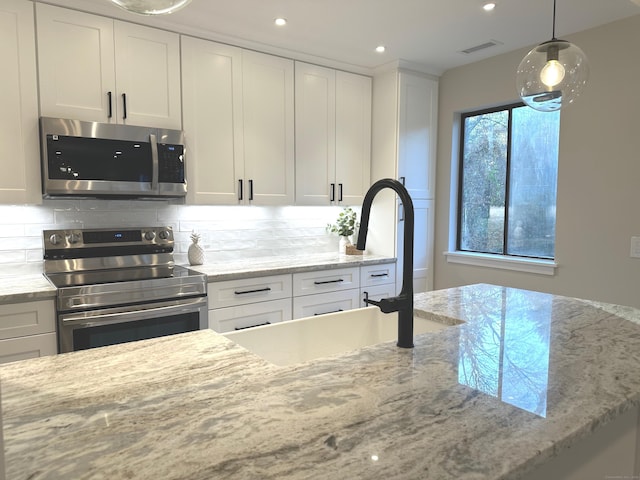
{"x": 228, "y": 233}
{"x": 598, "y": 207}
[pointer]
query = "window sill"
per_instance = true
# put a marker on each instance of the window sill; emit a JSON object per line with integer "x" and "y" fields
{"x": 527, "y": 265}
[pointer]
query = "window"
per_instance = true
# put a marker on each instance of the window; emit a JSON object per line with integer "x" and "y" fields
{"x": 507, "y": 186}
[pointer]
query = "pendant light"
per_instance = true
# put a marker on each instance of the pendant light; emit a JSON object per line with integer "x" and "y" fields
{"x": 552, "y": 74}
{"x": 151, "y": 7}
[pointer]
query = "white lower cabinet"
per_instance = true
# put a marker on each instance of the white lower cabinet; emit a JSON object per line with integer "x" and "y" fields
{"x": 27, "y": 330}
{"x": 377, "y": 281}
{"x": 250, "y": 315}
{"x": 322, "y": 303}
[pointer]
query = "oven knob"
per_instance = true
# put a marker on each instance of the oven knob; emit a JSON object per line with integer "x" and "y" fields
{"x": 73, "y": 238}
{"x": 149, "y": 235}
{"x": 55, "y": 239}
{"x": 163, "y": 234}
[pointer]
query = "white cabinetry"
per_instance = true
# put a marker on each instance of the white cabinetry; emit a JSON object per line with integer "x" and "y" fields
{"x": 244, "y": 303}
{"x": 325, "y": 291}
{"x": 377, "y": 282}
{"x": 333, "y": 136}
{"x": 404, "y": 129}
{"x": 27, "y": 330}
{"x": 238, "y": 121}
{"x": 20, "y": 164}
{"x": 96, "y": 69}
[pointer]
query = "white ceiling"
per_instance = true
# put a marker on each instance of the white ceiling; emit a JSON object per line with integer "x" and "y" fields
{"x": 427, "y": 32}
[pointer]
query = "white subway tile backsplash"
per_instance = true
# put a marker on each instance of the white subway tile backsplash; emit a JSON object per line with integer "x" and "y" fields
{"x": 227, "y": 232}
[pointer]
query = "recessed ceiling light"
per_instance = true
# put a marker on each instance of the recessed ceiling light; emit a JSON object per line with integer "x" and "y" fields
{"x": 380, "y": 48}
{"x": 489, "y": 6}
{"x": 280, "y": 22}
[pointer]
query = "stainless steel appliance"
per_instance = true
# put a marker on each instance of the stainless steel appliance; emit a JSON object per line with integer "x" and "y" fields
{"x": 120, "y": 285}
{"x": 104, "y": 160}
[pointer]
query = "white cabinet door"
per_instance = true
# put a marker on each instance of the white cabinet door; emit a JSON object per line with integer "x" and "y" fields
{"x": 353, "y": 137}
{"x": 417, "y": 121}
{"x": 323, "y": 281}
{"x": 147, "y": 63}
{"x": 333, "y": 136}
{"x": 212, "y": 120}
{"x": 248, "y": 290}
{"x": 315, "y": 134}
{"x": 20, "y": 164}
{"x": 76, "y": 64}
{"x": 376, "y": 292}
{"x": 24, "y": 348}
{"x": 268, "y": 117}
{"x": 323, "y": 303}
{"x": 93, "y": 69}
{"x": 252, "y": 315}
{"x": 373, "y": 275}
{"x": 29, "y": 318}
{"x": 422, "y": 246}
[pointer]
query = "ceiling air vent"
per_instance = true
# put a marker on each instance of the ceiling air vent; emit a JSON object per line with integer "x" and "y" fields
{"x": 482, "y": 46}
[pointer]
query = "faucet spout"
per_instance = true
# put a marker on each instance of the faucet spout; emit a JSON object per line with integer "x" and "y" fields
{"x": 402, "y": 303}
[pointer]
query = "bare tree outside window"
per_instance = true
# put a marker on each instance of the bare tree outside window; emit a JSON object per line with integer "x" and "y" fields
{"x": 508, "y": 179}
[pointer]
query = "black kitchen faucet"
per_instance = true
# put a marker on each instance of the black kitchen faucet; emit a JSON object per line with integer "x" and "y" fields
{"x": 403, "y": 303}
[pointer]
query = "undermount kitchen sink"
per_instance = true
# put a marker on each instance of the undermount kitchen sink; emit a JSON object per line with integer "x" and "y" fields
{"x": 309, "y": 338}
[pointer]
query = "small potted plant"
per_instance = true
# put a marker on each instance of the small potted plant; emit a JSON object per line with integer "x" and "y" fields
{"x": 345, "y": 226}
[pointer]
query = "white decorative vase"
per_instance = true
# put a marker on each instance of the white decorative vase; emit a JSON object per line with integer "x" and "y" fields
{"x": 195, "y": 253}
{"x": 344, "y": 241}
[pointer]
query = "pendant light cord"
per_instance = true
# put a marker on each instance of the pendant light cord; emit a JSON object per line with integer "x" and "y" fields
{"x": 553, "y": 33}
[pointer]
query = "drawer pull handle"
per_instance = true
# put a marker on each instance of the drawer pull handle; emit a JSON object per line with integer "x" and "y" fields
{"x": 326, "y": 313}
{"x": 328, "y": 281}
{"x": 379, "y": 275}
{"x": 258, "y": 290}
{"x": 251, "y": 326}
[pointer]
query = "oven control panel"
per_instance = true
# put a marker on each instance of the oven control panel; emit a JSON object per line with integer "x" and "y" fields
{"x": 108, "y": 237}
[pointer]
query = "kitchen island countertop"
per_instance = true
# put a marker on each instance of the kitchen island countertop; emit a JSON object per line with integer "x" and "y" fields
{"x": 527, "y": 373}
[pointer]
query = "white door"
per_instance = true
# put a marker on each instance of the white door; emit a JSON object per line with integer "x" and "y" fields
{"x": 315, "y": 135}
{"x": 147, "y": 76}
{"x": 20, "y": 164}
{"x": 212, "y": 120}
{"x": 76, "y": 64}
{"x": 268, "y": 117}
{"x": 353, "y": 137}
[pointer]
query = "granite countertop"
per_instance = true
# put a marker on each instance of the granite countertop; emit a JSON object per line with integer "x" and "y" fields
{"x": 198, "y": 406}
{"x": 34, "y": 286}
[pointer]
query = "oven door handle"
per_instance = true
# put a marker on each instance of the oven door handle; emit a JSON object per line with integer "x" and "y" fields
{"x": 111, "y": 316}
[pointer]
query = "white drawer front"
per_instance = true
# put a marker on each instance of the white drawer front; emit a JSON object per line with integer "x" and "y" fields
{"x": 311, "y": 305}
{"x": 248, "y": 290}
{"x": 24, "y": 348}
{"x": 310, "y": 283}
{"x": 377, "y": 292}
{"x": 245, "y": 316}
{"x": 29, "y": 318}
{"x": 377, "y": 274}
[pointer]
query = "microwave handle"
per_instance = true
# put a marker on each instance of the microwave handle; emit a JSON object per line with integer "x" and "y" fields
{"x": 153, "y": 140}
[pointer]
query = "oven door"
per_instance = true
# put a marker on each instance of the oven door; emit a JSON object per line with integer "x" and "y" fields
{"x": 110, "y": 326}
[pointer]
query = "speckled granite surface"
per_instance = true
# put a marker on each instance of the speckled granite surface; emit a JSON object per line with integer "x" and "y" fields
{"x": 21, "y": 288}
{"x": 527, "y": 373}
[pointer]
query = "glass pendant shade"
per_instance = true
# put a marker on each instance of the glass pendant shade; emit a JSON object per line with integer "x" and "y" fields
{"x": 552, "y": 75}
{"x": 151, "y": 7}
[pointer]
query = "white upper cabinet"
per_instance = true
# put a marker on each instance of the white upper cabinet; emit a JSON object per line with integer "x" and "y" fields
{"x": 212, "y": 120}
{"x": 333, "y": 136}
{"x": 93, "y": 68}
{"x": 238, "y": 122}
{"x": 268, "y": 119}
{"x": 20, "y": 164}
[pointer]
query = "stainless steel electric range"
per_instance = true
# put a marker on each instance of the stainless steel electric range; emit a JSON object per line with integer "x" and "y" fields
{"x": 120, "y": 285}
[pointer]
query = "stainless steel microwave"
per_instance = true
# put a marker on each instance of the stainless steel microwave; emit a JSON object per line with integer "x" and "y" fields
{"x": 107, "y": 160}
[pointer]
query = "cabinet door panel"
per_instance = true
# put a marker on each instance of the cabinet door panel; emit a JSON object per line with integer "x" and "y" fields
{"x": 212, "y": 120}
{"x": 353, "y": 137}
{"x": 315, "y": 134}
{"x": 24, "y": 348}
{"x": 323, "y": 303}
{"x": 75, "y": 61}
{"x": 308, "y": 283}
{"x": 423, "y": 246}
{"x": 29, "y": 318}
{"x": 20, "y": 164}
{"x": 248, "y": 290}
{"x": 148, "y": 72}
{"x": 268, "y": 116}
{"x": 230, "y": 319}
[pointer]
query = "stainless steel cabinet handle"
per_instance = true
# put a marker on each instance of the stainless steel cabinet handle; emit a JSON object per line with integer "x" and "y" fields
{"x": 251, "y": 326}
{"x": 328, "y": 281}
{"x": 258, "y": 290}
